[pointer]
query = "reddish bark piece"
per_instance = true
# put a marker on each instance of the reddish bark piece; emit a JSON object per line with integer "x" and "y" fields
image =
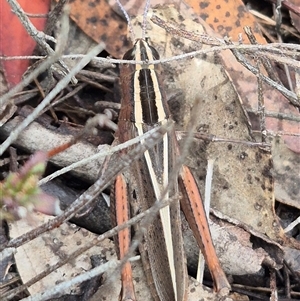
{"x": 14, "y": 39}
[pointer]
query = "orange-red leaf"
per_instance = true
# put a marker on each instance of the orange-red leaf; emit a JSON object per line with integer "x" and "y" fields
{"x": 14, "y": 40}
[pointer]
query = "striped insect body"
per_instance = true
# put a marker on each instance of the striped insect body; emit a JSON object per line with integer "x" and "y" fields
{"x": 150, "y": 179}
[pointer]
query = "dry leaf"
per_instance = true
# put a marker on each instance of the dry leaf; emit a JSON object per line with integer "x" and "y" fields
{"x": 105, "y": 21}
{"x": 234, "y": 249}
{"x": 229, "y": 19}
{"x": 242, "y": 174}
{"x": 51, "y": 247}
{"x": 226, "y": 18}
{"x": 286, "y": 174}
{"x": 101, "y": 23}
{"x": 242, "y": 181}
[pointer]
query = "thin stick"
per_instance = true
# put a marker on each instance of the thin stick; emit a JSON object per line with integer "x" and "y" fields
{"x": 151, "y": 211}
{"x": 38, "y": 36}
{"x": 292, "y": 225}
{"x": 261, "y": 109}
{"x": 111, "y": 151}
{"x": 90, "y": 194}
{"x": 59, "y": 289}
{"x": 127, "y": 19}
{"x": 60, "y": 85}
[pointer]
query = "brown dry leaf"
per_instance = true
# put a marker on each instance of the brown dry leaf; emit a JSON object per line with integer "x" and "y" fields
{"x": 102, "y": 24}
{"x": 228, "y": 19}
{"x": 221, "y": 236}
{"x": 51, "y": 247}
{"x": 242, "y": 181}
{"x": 195, "y": 291}
{"x": 286, "y": 174}
{"x": 103, "y": 21}
{"x": 57, "y": 244}
{"x": 235, "y": 251}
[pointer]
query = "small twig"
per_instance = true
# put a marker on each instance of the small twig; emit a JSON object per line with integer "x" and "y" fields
{"x": 278, "y": 19}
{"x": 285, "y": 92}
{"x": 90, "y": 194}
{"x": 36, "y": 16}
{"x": 59, "y": 289}
{"x": 107, "y": 105}
{"x": 289, "y": 5}
{"x": 292, "y": 225}
{"x": 98, "y": 76}
{"x": 213, "y": 138}
{"x": 291, "y": 270}
{"x": 38, "y": 36}
{"x": 68, "y": 95}
{"x": 261, "y": 109}
{"x": 265, "y": 61}
{"x": 60, "y": 85}
{"x": 207, "y": 201}
{"x": 268, "y": 49}
{"x": 54, "y": 15}
{"x": 277, "y": 15}
{"x": 287, "y": 283}
{"x": 278, "y": 115}
{"x": 263, "y": 19}
{"x": 111, "y": 151}
{"x": 273, "y": 286}
{"x": 23, "y": 57}
{"x": 94, "y": 84}
{"x": 114, "y": 231}
{"x": 13, "y": 163}
{"x": 6, "y": 161}
{"x": 282, "y": 133}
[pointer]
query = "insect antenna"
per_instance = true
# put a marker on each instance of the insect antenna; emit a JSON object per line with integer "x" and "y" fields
{"x": 144, "y": 25}
{"x": 127, "y": 19}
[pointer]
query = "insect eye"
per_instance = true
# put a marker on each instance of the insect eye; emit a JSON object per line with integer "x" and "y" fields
{"x": 154, "y": 53}
{"x": 130, "y": 54}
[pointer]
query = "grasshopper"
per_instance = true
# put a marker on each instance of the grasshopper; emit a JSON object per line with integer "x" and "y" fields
{"x": 143, "y": 107}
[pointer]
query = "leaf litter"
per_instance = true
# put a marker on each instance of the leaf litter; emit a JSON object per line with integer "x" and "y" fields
{"x": 241, "y": 174}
